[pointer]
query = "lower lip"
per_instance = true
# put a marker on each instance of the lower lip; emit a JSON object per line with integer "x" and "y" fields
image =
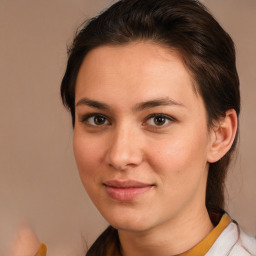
{"x": 126, "y": 194}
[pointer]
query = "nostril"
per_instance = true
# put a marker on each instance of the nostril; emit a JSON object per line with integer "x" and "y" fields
{"x": 124, "y": 151}
{"x": 121, "y": 160}
{"x": 122, "y": 167}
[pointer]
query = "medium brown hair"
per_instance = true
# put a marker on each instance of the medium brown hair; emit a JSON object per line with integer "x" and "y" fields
{"x": 186, "y": 26}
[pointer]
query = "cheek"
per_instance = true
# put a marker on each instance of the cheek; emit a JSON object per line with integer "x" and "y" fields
{"x": 88, "y": 157}
{"x": 179, "y": 154}
{"x": 181, "y": 169}
{"x": 169, "y": 154}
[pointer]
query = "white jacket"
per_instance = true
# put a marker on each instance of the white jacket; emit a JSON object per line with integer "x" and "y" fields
{"x": 233, "y": 242}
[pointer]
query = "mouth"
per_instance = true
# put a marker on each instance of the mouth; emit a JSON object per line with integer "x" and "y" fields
{"x": 128, "y": 190}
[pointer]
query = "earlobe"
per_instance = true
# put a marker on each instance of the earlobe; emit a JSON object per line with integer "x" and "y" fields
{"x": 222, "y": 136}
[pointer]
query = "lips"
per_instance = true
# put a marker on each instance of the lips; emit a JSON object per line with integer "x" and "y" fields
{"x": 126, "y": 190}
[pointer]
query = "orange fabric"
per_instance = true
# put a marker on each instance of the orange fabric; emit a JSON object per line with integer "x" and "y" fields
{"x": 204, "y": 246}
{"x": 200, "y": 249}
{"x": 42, "y": 250}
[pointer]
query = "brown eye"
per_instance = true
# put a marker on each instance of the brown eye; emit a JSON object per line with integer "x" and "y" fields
{"x": 99, "y": 120}
{"x": 96, "y": 120}
{"x": 159, "y": 120}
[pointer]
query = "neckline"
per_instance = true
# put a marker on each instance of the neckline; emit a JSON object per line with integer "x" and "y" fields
{"x": 220, "y": 220}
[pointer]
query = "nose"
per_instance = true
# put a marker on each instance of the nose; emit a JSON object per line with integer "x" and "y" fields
{"x": 125, "y": 149}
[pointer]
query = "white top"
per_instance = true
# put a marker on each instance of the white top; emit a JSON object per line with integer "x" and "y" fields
{"x": 233, "y": 242}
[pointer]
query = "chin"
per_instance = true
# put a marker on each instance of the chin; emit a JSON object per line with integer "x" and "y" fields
{"x": 130, "y": 226}
{"x": 129, "y": 222}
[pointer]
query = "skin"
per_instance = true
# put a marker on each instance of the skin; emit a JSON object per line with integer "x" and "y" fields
{"x": 126, "y": 85}
{"x": 26, "y": 243}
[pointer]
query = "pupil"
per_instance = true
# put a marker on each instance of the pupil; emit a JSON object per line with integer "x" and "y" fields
{"x": 99, "y": 120}
{"x": 159, "y": 120}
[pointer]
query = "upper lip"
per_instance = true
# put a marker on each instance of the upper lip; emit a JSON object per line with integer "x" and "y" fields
{"x": 126, "y": 184}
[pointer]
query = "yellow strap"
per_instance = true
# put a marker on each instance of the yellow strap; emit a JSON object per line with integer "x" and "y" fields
{"x": 200, "y": 249}
{"x": 204, "y": 246}
{"x": 42, "y": 250}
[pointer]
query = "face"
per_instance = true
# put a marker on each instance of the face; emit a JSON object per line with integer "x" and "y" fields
{"x": 141, "y": 140}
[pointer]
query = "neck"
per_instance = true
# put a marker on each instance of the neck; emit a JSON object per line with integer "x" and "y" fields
{"x": 170, "y": 238}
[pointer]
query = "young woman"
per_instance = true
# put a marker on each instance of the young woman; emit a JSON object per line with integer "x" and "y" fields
{"x": 153, "y": 92}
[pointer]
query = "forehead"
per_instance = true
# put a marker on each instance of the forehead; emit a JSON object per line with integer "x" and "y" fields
{"x": 145, "y": 54}
{"x": 142, "y": 70}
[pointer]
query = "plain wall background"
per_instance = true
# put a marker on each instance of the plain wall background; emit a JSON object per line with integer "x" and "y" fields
{"x": 39, "y": 183}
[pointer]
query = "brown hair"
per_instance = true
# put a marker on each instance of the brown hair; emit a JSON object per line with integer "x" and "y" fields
{"x": 186, "y": 26}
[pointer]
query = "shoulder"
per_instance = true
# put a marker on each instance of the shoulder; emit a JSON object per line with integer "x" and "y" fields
{"x": 233, "y": 242}
{"x": 25, "y": 242}
{"x": 245, "y": 245}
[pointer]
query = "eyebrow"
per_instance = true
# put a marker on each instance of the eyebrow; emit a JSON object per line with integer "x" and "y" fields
{"x": 92, "y": 103}
{"x": 156, "y": 103}
{"x": 138, "y": 107}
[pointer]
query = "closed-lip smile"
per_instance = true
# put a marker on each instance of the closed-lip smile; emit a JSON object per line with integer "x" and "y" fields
{"x": 126, "y": 190}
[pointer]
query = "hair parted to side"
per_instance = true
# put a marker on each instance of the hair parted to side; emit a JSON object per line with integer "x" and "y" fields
{"x": 185, "y": 26}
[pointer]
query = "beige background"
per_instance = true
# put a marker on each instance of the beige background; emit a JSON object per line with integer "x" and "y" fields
{"x": 39, "y": 183}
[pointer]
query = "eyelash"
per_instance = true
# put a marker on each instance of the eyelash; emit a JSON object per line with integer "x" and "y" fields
{"x": 166, "y": 118}
{"x": 85, "y": 119}
{"x": 159, "y": 115}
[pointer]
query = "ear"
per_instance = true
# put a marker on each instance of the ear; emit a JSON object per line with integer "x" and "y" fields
{"x": 222, "y": 136}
